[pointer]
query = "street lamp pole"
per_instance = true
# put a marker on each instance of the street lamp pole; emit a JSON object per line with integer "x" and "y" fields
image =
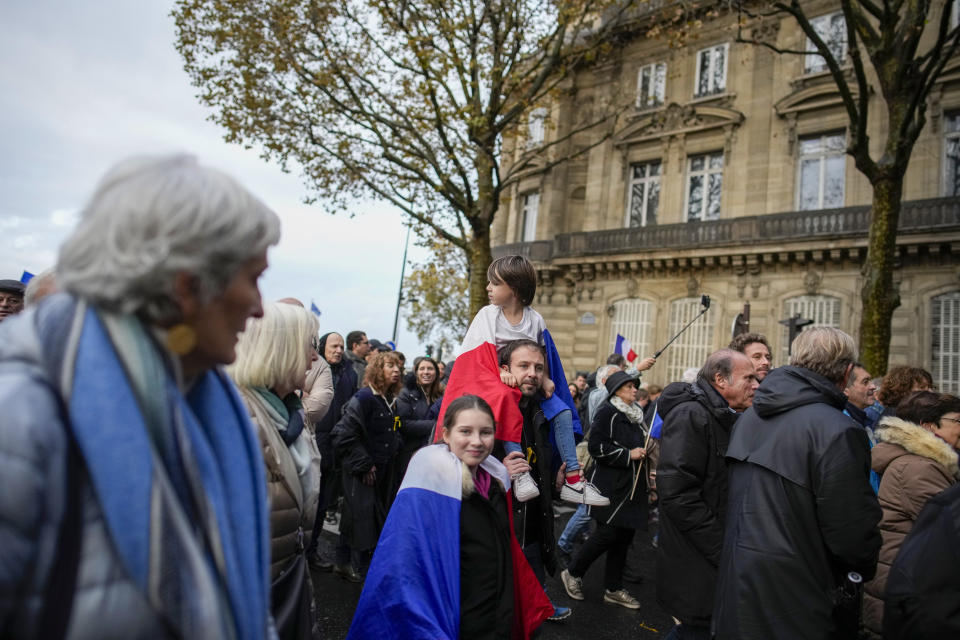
{"x": 403, "y": 267}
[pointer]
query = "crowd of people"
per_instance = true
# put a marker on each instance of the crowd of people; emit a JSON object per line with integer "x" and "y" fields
{"x": 172, "y": 448}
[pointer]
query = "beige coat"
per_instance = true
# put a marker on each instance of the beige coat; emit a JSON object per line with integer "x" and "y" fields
{"x": 914, "y": 465}
{"x": 317, "y": 392}
{"x": 290, "y": 516}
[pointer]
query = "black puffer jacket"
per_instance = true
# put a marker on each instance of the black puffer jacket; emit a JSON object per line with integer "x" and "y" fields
{"x": 614, "y": 473}
{"x": 801, "y": 512}
{"x": 417, "y": 424}
{"x": 692, "y": 485}
{"x": 414, "y": 410}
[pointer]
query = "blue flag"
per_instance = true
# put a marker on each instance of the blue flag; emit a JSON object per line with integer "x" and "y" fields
{"x": 26, "y": 277}
{"x": 656, "y": 425}
{"x": 313, "y": 307}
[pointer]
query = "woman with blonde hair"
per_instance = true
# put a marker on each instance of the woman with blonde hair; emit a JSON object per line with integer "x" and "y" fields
{"x": 367, "y": 439}
{"x": 134, "y": 501}
{"x": 273, "y": 356}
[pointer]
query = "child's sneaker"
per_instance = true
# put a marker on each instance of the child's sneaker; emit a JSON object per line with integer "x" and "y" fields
{"x": 583, "y": 492}
{"x": 524, "y": 487}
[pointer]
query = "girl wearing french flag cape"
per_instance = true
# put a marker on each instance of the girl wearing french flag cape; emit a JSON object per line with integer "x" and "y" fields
{"x": 448, "y": 565}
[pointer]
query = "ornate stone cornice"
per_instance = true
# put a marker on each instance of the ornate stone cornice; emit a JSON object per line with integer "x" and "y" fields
{"x": 679, "y": 120}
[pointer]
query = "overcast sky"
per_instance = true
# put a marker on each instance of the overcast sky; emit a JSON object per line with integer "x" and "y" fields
{"x": 84, "y": 84}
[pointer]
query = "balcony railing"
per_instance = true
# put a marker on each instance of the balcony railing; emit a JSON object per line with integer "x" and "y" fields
{"x": 936, "y": 214}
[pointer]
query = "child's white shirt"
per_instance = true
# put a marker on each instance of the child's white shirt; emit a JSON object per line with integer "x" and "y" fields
{"x": 490, "y": 325}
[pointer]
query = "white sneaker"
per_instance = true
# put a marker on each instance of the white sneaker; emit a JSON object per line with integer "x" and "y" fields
{"x": 583, "y": 492}
{"x": 524, "y": 487}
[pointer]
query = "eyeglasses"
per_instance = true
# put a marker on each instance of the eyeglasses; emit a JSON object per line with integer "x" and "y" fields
{"x": 957, "y": 420}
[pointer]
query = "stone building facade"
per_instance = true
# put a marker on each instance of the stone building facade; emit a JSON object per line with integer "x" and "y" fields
{"x": 727, "y": 176}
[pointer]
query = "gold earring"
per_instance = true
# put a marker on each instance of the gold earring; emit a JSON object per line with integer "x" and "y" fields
{"x": 181, "y": 339}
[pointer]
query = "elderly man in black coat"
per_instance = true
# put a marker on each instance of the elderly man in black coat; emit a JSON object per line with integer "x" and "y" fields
{"x": 801, "y": 514}
{"x": 692, "y": 482}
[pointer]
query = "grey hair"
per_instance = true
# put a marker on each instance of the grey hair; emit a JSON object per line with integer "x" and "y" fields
{"x": 824, "y": 350}
{"x": 40, "y": 286}
{"x": 852, "y": 380}
{"x": 152, "y": 217}
{"x": 605, "y": 372}
{"x": 719, "y": 362}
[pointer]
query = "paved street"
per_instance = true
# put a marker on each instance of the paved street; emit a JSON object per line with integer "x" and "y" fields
{"x": 592, "y": 619}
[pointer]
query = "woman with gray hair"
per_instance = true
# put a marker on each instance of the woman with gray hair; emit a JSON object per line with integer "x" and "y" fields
{"x": 134, "y": 493}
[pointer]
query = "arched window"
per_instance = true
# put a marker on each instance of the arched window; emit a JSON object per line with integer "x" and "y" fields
{"x": 823, "y": 310}
{"x": 633, "y": 318}
{"x": 693, "y": 347}
{"x": 945, "y": 342}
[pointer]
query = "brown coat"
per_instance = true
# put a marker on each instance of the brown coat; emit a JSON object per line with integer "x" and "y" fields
{"x": 914, "y": 466}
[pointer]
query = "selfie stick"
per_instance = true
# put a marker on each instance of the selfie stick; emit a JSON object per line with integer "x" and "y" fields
{"x": 705, "y": 301}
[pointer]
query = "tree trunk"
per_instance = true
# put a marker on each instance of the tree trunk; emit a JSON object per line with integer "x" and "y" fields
{"x": 479, "y": 257}
{"x": 878, "y": 294}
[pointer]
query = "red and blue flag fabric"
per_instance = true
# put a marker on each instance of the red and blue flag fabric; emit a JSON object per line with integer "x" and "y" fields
{"x": 624, "y": 348}
{"x": 477, "y": 372}
{"x": 412, "y": 589}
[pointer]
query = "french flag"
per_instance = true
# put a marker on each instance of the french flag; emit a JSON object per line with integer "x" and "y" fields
{"x": 623, "y": 348}
{"x": 412, "y": 589}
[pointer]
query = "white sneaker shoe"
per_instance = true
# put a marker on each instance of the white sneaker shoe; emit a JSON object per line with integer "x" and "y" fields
{"x": 524, "y": 487}
{"x": 583, "y": 492}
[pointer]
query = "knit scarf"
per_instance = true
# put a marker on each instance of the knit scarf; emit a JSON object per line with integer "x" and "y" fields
{"x": 633, "y": 412}
{"x": 178, "y": 477}
{"x": 270, "y": 412}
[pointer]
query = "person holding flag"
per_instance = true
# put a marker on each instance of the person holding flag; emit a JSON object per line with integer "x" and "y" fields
{"x": 477, "y": 584}
{"x": 625, "y": 349}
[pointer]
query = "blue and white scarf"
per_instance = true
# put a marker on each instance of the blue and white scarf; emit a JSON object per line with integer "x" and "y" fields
{"x": 179, "y": 478}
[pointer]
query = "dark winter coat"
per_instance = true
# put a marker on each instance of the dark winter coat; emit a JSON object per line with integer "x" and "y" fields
{"x": 692, "y": 487}
{"x": 486, "y": 569}
{"x": 914, "y": 465}
{"x": 366, "y": 436}
{"x": 923, "y": 587}
{"x": 533, "y": 520}
{"x": 801, "y": 512}
{"x": 417, "y": 421}
{"x": 614, "y": 473}
{"x": 414, "y": 410}
{"x": 344, "y": 386}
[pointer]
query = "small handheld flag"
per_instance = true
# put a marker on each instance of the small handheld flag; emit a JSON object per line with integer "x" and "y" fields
{"x": 657, "y": 425}
{"x": 313, "y": 307}
{"x": 623, "y": 348}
